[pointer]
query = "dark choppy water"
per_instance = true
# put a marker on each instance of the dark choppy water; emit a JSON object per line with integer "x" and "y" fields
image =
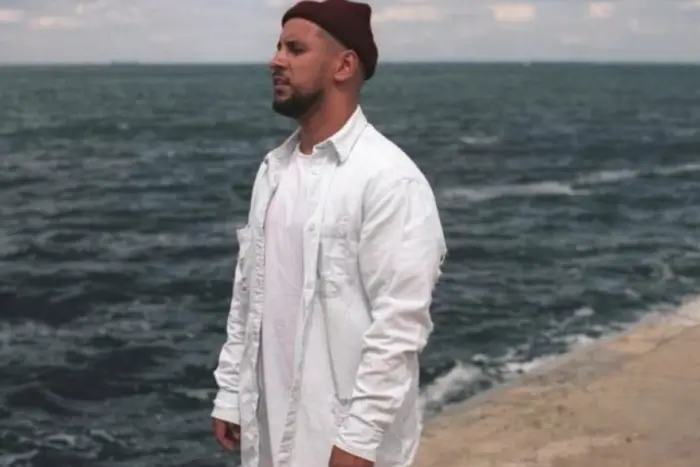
{"x": 570, "y": 196}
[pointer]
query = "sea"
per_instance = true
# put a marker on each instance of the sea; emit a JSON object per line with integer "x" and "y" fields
{"x": 569, "y": 193}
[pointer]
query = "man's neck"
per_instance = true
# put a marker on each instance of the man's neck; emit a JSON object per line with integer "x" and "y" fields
{"x": 323, "y": 124}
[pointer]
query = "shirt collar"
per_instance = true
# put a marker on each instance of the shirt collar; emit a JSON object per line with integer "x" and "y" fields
{"x": 341, "y": 143}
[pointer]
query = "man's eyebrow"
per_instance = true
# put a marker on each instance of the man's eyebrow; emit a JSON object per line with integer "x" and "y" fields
{"x": 290, "y": 42}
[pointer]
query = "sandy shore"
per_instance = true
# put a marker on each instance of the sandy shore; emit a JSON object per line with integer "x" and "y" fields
{"x": 628, "y": 401}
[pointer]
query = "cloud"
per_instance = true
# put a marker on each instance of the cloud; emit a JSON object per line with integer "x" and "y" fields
{"x": 278, "y": 3}
{"x": 643, "y": 28}
{"x": 513, "y": 12}
{"x": 601, "y": 10}
{"x": 573, "y": 39}
{"x": 161, "y": 39}
{"x": 54, "y": 22}
{"x": 247, "y": 30}
{"x": 10, "y": 16}
{"x": 408, "y": 14}
{"x": 690, "y": 5}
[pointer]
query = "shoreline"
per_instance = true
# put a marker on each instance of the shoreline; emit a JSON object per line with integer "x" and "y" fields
{"x": 585, "y": 407}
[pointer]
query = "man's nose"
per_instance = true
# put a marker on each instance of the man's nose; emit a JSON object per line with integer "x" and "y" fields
{"x": 277, "y": 62}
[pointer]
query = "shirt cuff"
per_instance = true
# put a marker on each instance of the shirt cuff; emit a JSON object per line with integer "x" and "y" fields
{"x": 227, "y": 415}
{"x": 226, "y": 407}
{"x": 359, "y": 439}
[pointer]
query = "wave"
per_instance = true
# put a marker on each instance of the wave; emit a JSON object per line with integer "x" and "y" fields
{"x": 579, "y": 186}
{"x": 480, "y": 140}
{"x": 607, "y": 176}
{"x": 465, "y": 378}
{"x": 515, "y": 190}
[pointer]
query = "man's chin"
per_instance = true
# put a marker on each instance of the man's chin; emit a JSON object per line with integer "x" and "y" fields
{"x": 296, "y": 106}
{"x": 285, "y": 108}
{"x": 277, "y": 100}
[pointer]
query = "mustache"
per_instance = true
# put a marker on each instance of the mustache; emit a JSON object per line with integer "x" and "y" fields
{"x": 278, "y": 77}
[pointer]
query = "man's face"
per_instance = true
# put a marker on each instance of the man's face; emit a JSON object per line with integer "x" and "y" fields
{"x": 300, "y": 69}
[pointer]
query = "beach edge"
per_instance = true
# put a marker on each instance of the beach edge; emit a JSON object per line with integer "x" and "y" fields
{"x": 558, "y": 395}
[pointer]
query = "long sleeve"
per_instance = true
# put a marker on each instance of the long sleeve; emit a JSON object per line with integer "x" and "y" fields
{"x": 227, "y": 372}
{"x": 401, "y": 251}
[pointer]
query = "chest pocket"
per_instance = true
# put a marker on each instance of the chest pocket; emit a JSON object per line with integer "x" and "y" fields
{"x": 337, "y": 258}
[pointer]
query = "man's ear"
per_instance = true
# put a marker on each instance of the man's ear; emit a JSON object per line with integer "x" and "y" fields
{"x": 348, "y": 65}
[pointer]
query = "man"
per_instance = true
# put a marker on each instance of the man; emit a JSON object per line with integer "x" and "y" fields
{"x": 336, "y": 269}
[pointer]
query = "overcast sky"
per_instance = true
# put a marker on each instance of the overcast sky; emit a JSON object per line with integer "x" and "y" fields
{"x": 247, "y": 30}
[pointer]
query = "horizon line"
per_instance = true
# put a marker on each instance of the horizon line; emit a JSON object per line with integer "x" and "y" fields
{"x": 533, "y": 61}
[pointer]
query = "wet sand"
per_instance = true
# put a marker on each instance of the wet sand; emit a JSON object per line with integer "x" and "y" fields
{"x": 628, "y": 401}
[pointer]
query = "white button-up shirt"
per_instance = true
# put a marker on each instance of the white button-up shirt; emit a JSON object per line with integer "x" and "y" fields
{"x": 373, "y": 249}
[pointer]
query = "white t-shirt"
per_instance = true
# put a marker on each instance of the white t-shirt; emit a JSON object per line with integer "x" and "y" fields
{"x": 284, "y": 278}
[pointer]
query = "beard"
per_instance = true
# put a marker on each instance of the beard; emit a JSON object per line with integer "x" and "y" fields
{"x": 298, "y": 104}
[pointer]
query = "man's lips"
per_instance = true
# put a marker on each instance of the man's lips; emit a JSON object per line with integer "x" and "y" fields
{"x": 279, "y": 81}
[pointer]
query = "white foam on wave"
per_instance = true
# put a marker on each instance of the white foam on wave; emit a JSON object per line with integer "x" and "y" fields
{"x": 612, "y": 176}
{"x": 678, "y": 169}
{"x": 11, "y": 460}
{"x": 442, "y": 391}
{"x": 446, "y": 386}
{"x": 463, "y": 376}
{"x": 607, "y": 176}
{"x": 684, "y": 132}
{"x": 518, "y": 190}
{"x": 480, "y": 140}
{"x": 579, "y": 186}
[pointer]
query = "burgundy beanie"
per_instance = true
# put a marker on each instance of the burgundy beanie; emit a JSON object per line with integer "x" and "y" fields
{"x": 348, "y": 22}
